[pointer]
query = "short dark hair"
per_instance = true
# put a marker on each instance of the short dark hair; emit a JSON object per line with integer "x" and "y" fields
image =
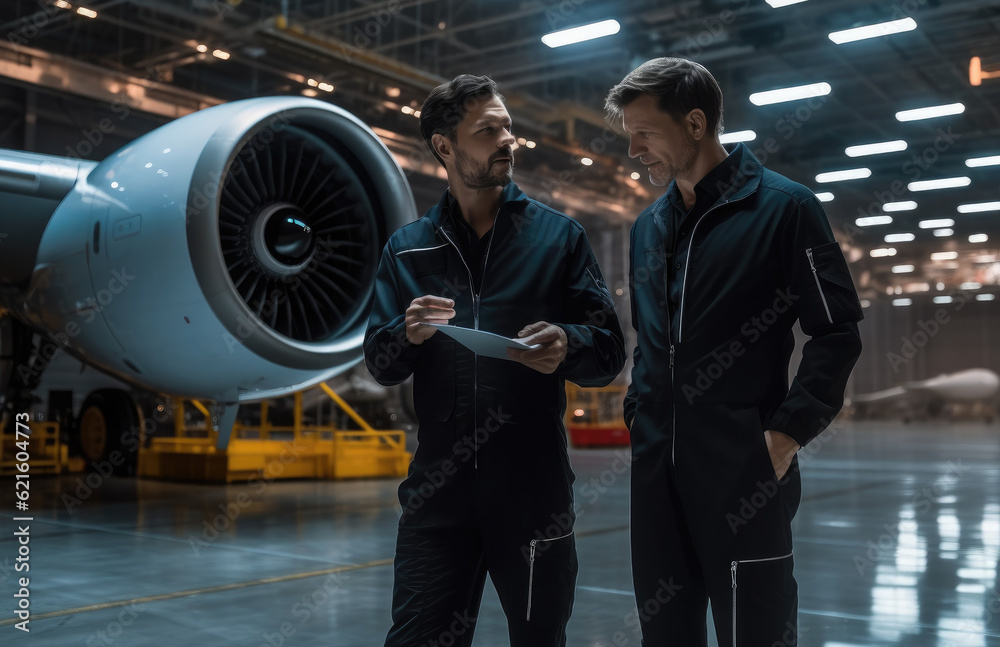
{"x": 448, "y": 103}
{"x": 681, "y": 86}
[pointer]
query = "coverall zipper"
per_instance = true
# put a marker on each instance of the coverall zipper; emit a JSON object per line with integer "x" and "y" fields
{"x": 531, "y": 568}
{"x": 735, "y": 564}
{"x": 822, "y": 296}
{"x": 475, "y": 323}
{"x": 680, "y": 320}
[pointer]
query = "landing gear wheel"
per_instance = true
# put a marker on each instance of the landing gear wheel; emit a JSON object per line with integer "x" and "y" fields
{"x": 107, "y": 435}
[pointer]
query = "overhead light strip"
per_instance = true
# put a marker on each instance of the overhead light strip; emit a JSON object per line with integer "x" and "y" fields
{"x": 795, "y": 93}
{"x": 976, "y": 162}
{"x": 737, "y": 136}
{"x": 930, "y": 112}
{"x": 876, "y": 149}
{"x": 942, "y": 183}
{"x": 581, "y": 33}
{"x": 846, "y": 174}
{"x": 871, "y": 221}
{"x": 944, "y": 256}
{"x": 979, "y": 207}
{"x": 905, "y": 205}
{"x": 873, "y": 31}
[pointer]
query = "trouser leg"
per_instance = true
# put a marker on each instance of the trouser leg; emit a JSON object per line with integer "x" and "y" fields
{"x": 670, "y": 591}
{"x": 438, "y": 586}
{"x": 759, "y": 598}
{"x": 531, "y": 559}
{"x": 740, "y": 516}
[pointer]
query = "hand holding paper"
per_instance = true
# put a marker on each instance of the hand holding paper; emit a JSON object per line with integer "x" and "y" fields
{"x": 552, "y": 349}
{"x": 427, "y": 310}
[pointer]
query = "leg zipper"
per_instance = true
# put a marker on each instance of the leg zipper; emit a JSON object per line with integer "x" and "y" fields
{"x": 735, "y": 565}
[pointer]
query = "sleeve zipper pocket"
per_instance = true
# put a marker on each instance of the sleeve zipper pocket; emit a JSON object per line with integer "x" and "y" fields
{"x": 822, "y": 296}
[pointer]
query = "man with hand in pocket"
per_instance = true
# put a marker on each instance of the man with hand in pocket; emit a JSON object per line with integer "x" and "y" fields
{"x": 721, "y": 268}
{"x": 490, "y": 488}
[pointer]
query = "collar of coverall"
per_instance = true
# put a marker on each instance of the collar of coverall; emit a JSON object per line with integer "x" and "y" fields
{"x": 746, "y": 181}
{"x": 511, "y": 199}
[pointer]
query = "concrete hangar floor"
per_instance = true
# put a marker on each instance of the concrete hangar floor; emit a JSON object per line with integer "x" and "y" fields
{"x": 897, "y": 542}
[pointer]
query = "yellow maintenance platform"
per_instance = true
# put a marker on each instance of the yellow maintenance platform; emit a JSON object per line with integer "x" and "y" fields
{"x": 270, "y": 451}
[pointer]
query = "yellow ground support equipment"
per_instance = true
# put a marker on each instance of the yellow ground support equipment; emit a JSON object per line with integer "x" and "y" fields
{"x": 594, "y": 416}
{"x": 269, "y": 451}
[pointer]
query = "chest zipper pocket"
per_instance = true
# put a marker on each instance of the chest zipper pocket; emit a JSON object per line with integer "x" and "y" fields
{"x": 735, "y": 566}
{"x": 539, "y": 545}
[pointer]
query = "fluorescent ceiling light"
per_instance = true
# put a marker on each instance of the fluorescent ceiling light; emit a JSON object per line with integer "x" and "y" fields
{"x": 899, "y": 238}
{"x": 777, "y": 4}
{"x": 917, "y": 287}
{"x": 825, "y": 196}
{"x": 978, "y": 238}
{"x": 876, "y": 149}
{"x": 985, "y": 297}
{"x": 581, "y": 33}
{"x": 882, "y": 252}
{"x": 906, "y": 205}
{"x": 902, "y": 269}
{"x": 902, "y": 302}
{"x": 87, "y": 13}
{"x": 871, "y": 221}
{"x": 931, "y": 112}
{"x": 873, "y": 31}
{"x": 940, "y": 300}
{"x": 944, "y": 233}
{"x": 942, "y": 183}
{"x": 944, "y": 256}
{"x": 938, "y": 222}
{"x": 790, "y": 94}
{"x": 847, "y": 174}
{"x": 992, "y": 160}
{"x": 979, "y": 207}
{"x": 738, "y": 136}
{"x": 970, "y": 285}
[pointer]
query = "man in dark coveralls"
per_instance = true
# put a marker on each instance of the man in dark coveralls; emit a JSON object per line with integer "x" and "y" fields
{"x": 721, "y": 267}
{"x": 490, "y": 488}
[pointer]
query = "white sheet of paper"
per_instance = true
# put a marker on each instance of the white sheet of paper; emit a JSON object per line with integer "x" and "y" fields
{"x": 483, "y": 343}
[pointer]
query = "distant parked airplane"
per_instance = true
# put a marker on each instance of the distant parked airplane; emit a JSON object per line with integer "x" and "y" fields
{"x": 968, "y": 393}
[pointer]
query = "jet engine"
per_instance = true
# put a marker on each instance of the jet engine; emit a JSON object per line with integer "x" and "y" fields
{"x": 229, "y": 255}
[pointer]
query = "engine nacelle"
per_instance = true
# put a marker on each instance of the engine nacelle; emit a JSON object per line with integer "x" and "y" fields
{"x": 228, "y": 255}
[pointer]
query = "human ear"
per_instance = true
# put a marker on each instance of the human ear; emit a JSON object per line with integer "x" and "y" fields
{"x": 441, "y": 145}
{"x": 697, "y": 123}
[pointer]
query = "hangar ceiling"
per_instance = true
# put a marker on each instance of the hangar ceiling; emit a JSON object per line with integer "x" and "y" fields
{"x": 156, "y": 59}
